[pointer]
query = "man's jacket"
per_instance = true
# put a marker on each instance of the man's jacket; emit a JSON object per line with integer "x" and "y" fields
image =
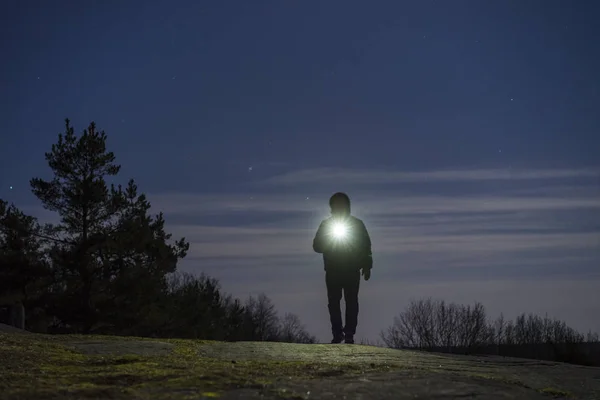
{"x": 349, "y": 254}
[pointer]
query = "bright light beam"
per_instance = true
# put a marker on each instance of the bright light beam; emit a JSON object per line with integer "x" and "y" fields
{"x": 339, "y": 230}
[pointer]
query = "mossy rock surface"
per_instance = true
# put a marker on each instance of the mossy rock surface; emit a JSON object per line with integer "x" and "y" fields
{"x": 11, "y": 329}
{"x": 130, "y": 347}
{"x": 106, "y": 367}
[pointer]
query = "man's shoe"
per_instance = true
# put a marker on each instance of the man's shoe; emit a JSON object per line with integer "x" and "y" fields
{"x": 349, "y": 339}
{"x": 337, "y": 339}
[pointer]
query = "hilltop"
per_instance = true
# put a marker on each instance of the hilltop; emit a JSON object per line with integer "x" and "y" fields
{"x": 96, "y": 367}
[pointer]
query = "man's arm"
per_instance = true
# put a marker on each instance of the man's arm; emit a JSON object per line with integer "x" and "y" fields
{"x": 366, "y": 243}
{"x": 319, "y": 240}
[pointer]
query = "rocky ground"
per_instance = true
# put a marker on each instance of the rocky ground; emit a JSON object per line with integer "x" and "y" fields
{"x": 100, "y": 367}
{"x": 10, "y": 329}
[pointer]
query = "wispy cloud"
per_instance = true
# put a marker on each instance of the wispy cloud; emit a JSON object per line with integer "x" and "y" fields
{"x": 211, "y": 242}
{"x": 306, "y": 191}
{"x": 474, "y": 223}
{"x": 351, "y": 176}
{"x": 373, "y": 203}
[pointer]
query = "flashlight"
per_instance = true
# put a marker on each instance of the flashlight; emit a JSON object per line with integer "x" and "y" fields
{"x": 339, "y": 230}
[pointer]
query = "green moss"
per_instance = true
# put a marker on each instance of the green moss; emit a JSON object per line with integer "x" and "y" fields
{"x": 49, "y": 367}
{"x": 45, "y": 367}
{"x": 554, "y": 392}
{"x": 285, "y": 394}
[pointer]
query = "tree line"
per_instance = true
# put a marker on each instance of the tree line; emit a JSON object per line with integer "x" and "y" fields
{"x": 436, "y": 325}
{"x": 109, "y": 266}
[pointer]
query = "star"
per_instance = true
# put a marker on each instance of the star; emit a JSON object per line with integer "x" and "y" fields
{"x": 11, "y": 188}
{"x": 249, "y": 169}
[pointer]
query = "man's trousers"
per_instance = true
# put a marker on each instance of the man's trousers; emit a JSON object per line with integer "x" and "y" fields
{"x": 346, "y": 283}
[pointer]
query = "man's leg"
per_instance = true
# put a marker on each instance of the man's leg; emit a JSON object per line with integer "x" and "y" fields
{"x": 334, "y": 296}
{"x": 351, "y": 286}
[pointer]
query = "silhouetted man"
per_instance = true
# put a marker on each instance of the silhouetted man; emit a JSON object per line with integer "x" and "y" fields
{"x": 346, "y": 247}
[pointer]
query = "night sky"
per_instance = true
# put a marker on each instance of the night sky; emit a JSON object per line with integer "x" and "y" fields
{"x": 467, "y": 134}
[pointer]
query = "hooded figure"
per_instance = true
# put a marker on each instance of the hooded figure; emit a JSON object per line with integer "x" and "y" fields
{"x": 346, "y": 247}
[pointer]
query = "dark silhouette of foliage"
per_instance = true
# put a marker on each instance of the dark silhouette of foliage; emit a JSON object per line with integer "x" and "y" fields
{"x": 435, "y": 325}
{"x": 292, "y": 330}
{"x": 24, "y": 271}
{"x": 263, "y": 318}
{"x": 109, "y": 266}
{"x": 106, "y": 241}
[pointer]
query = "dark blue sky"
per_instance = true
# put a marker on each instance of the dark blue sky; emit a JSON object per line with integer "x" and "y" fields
{"x": 466, "y": 131}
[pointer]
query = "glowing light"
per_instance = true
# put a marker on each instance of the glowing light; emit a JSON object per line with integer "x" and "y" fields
{"x": 339, "y": 230}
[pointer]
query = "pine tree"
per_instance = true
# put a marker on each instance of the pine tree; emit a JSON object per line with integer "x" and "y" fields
{"x": 109, "y": 252}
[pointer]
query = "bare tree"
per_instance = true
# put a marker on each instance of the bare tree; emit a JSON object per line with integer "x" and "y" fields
{"x": 440, "y": 326}
{"x": 293, "y": 331}
{"x": 446, "y": 324}
{"x": 532, "y": 329}
{"x": 404, "y": 332}
{"x": 264, "y": 317}
{"x": 592, "y": 337}
{"x": 431, "y": 324}
{"x": 509, "y": 333}
{"x": 499, "y": 329}
{"x": 476, "y": 332}
{"x": 392, "y": 337}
